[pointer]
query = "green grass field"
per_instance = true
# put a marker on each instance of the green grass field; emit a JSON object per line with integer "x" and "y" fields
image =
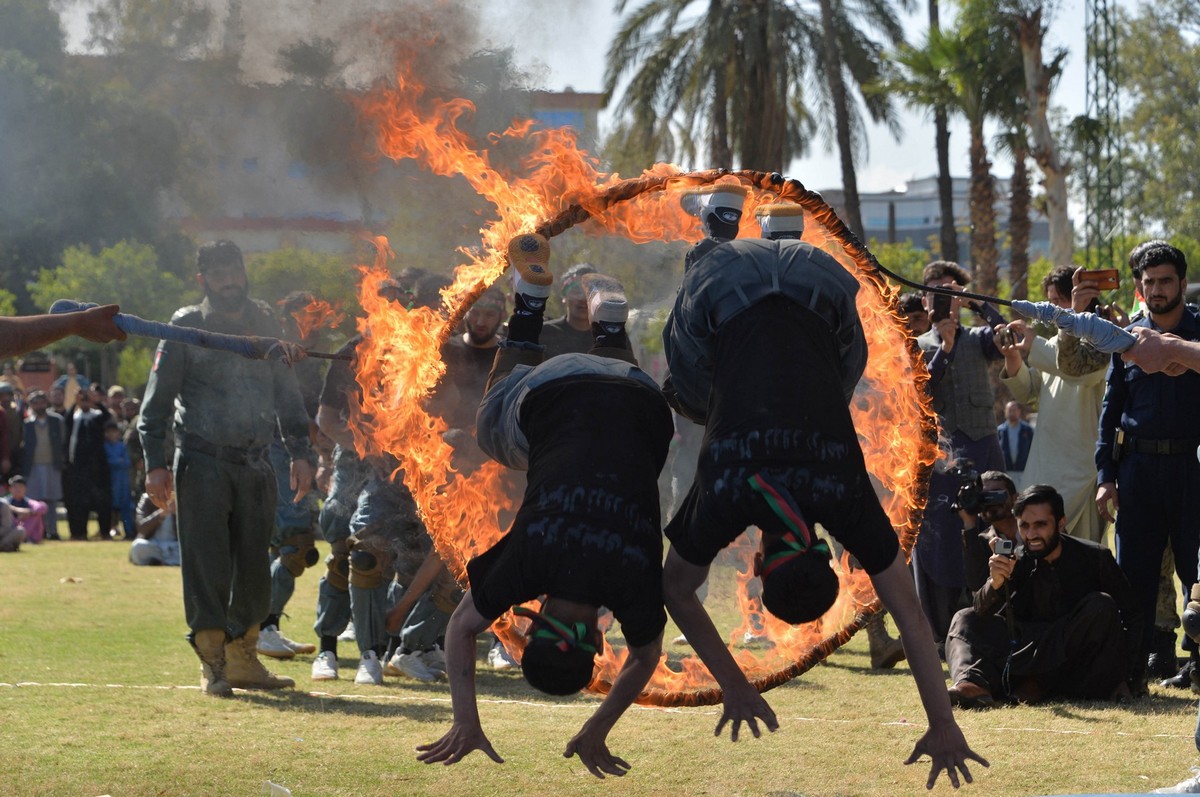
{"x": 99, "y": 697}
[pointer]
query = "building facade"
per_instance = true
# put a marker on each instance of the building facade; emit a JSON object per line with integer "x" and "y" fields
{"x": 913, "y": 214}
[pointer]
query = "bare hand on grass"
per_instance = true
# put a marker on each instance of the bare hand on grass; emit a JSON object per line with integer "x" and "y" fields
{"x": 949, "y": 751}
{"x": 458, "y": 742}
{"x": 747, "y": 706}
{"x": 593, "y": 752}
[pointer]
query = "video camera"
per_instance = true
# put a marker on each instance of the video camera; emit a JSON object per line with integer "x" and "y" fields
{"x": 971, "y": 497}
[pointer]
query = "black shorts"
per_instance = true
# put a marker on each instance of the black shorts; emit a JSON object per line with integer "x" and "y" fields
{"x": 839, "y": 496}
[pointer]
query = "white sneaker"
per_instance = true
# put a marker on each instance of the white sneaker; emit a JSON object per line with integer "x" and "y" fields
{"x": 411, "y": 665}
{"x": 271, "y": 643}
{"x": 325, "y": 666}
{"x": 606, "y": 299}
{"x": 370, "y": 671}
{"x": 529, "y": 255}
{"x": 535, "y": 292}
{"x": 1189, "y": 786}
{"x": 348, "y": 634}
{"x": 498, "y": 658}
{"x": 298, "y": 647}
{"x": 753, "y": 639}
{"x": 435, "y": 660}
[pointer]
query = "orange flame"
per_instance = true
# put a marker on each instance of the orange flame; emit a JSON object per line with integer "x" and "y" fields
{"x": 317, "y": 314}
{"x": 399, "y": 362}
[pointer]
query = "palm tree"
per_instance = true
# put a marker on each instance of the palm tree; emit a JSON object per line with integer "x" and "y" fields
{"x": 1040, "y": 78}
{"x": 692, "y": 74}
{"x": 850, "y": 53}
{"x": 948, "y": 233}
{"x": 1015, "y": 143}
{"x": 734, "y": 73}
{"x": 969, "y": 70}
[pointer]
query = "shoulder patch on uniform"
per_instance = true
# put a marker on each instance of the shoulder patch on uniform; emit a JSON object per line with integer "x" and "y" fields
{"x": 185, "y": 312}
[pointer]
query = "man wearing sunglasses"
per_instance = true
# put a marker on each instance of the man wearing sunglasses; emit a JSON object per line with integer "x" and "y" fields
{"x": 593, "y": 431}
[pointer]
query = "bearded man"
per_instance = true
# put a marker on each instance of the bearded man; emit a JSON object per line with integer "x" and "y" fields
{"x": 1146, "y": 453}
{"x": 1059, "y": 621}
{"x": 225, "y": 410}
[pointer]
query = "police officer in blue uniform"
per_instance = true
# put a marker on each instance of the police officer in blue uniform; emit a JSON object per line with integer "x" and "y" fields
{"x": 1146, "y": 453}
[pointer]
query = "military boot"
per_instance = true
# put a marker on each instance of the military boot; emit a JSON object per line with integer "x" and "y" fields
{"x": 1162, "y": 663}
{"x": 209, "y": 645}
{"x": 244, "y": 670}
{"x": 885, "y": 651}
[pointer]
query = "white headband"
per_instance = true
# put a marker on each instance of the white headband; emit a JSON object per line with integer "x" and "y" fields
{"x": 779, "y": 219}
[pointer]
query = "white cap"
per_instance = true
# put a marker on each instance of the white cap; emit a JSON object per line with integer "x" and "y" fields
{"x": 721, "y": 195}
{"x": 782, "y": 218}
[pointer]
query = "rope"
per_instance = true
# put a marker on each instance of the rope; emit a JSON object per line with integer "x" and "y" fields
{"x": 252, "y": 347}
{"x": 787, "y": 190}
{"x": 1100, "y": 332}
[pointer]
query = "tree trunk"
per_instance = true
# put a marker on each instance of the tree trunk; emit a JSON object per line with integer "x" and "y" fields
{"x": 108, "y": 364}
{"x": 1044, "y": 150}
{"x": 841, "y": 117}
{"x": 983, "y": 215}
{"x": 948, "y": 232}
{"x": 1019, "y": 224}
{"x": 718, "y": 142}
{"x": 764, "y": 111}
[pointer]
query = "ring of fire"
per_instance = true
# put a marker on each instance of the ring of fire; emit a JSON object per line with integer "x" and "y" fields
{"x": 399, "y": 363}
{"x": 897, "y": 437}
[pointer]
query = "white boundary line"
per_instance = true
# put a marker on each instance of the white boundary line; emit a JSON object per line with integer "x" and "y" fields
{"x": 590, "y": 705}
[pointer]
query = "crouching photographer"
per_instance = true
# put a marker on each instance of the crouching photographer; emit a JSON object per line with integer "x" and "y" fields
{"x": 985, "y": 505}
{"x": 1057, "y": 621}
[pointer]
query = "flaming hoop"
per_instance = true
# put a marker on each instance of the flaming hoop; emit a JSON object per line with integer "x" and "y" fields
{"x": 867, "y": 270}
{"x": 399, "y": 363}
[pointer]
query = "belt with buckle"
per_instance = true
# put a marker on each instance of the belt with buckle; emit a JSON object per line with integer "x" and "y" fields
{"x": 233, "y": 454}
{"x": 1144, "y": 445}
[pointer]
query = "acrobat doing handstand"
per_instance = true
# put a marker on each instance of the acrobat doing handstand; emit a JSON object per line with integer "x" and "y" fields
{"x": 593, "y": 431}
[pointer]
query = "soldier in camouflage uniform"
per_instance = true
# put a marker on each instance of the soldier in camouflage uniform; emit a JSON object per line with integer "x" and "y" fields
{"x": 293, "y": 542}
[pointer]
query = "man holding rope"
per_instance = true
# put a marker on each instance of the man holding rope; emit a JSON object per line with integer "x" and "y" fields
{"x": 24, "y": 334}
{"x": 225, "y": 410}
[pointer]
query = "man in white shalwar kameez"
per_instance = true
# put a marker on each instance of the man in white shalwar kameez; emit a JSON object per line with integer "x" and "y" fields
{"x": 1063, "y": 452}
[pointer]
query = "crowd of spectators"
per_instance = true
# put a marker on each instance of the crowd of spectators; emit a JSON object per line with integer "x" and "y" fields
{"x": 73, "y": 452}
{"x": 1034, "y": 586}
{"x": 73, "y": 447}
{"x": 1032, "y": 589}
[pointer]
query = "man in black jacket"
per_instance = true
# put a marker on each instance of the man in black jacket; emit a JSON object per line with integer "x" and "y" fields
{"x": 85, "y": 479}
{"x": 1057, "y": 622}
{"x": 990, "y": 521}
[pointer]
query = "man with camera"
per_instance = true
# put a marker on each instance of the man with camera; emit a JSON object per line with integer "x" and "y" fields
{"x": 957, "y": 357}
{"x": 985, "y": 505}
{"x": 1057, "y": 621}
{"x": 1068, "y": 405}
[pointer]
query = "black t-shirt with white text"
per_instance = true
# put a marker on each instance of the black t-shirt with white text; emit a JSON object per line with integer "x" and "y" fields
{"x": 588, "y": 528}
